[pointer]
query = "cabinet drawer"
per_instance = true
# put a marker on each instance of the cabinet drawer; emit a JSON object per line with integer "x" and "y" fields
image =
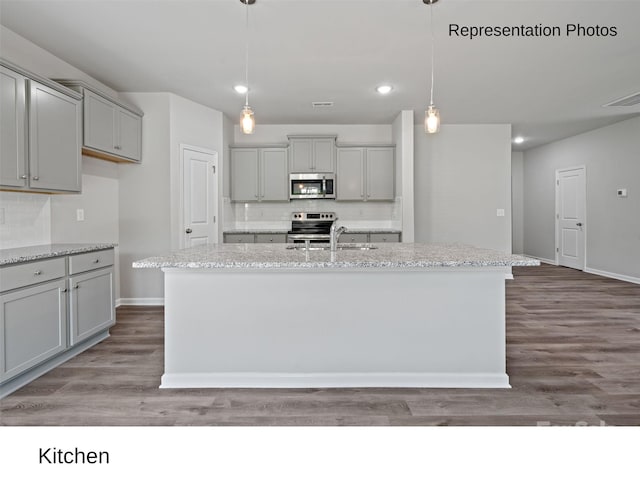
{"x": 90, "y": 261}
{"x": 26, "y": 274}
{"x": 347, "y": 237}
{"x": 384, "y": 237}
{"x": 271, "y": 238}
{"x": 239, "y": 238}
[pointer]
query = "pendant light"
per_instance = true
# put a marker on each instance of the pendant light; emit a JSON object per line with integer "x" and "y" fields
{"x": 247, "y": 119}
{"x": 432, "y": 115}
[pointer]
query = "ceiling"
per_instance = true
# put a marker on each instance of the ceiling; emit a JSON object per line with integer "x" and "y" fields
{"x": 303, "y": 51}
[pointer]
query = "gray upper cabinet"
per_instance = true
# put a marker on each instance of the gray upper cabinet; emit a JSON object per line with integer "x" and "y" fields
{"x": 54, "y": 138}
{"x": 41, "y": 133}
{"x": 259, "y": 174}
{"x": 13, "y": 168}
{"x": 312, "y": 153}
{"x": 365, "y": 173}
{"x": 112, "y": 129}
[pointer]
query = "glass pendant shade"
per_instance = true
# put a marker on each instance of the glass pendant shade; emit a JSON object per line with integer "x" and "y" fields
{"x": 432, "y": 120}
{"x": 247, "y": 120}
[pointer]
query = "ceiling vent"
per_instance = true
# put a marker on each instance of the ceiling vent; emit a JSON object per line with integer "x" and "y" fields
{"x": 627, "y": 101}
{"x": 322, "y": 104}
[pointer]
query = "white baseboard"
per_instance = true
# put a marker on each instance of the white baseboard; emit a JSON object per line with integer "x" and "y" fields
{"x": 147, "y": 302}
{"x": 617, "y": 276}
{"x": 334, "y": 380}
{"x": 543, "y": 260}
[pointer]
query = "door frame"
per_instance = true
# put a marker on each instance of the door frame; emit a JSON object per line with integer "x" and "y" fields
{"x": 557, "y": 212}
{"x": 215, "y": 161}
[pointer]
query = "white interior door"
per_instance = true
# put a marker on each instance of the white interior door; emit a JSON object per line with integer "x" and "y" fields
{"x": 570, "y": 217}
{"x": 200, "y": 168}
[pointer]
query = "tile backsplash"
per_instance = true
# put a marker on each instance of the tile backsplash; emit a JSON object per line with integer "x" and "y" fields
{"x": 25, "y": 219}
{"x": 265, "y": 215}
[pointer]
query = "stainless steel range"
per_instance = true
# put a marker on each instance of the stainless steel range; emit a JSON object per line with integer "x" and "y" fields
{"x": 311, "y": 227}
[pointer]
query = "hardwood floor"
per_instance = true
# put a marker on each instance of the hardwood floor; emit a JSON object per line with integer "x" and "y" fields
{"x": 573, "y": 356}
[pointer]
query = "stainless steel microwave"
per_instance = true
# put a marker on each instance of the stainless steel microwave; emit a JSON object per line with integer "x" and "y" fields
{"x": 312, "y": 185}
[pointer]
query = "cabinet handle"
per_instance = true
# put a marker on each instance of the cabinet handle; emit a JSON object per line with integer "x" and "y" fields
{"x": 117, "y": 147}
{"x": 97, "y": 260}
{"x": 64, "y": 290}
{"x": 23, "y": 177}
{"x": 38, "y": 272}
{"x": 36, "y": 178}
{"x": 76, "y": 287}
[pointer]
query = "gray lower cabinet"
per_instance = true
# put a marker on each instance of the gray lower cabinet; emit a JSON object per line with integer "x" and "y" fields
{"x": 259, "y": 174}
{"x": 33, "y": 327}
{"x": 91, "y": 304}
{"x": 239, "y": 238}
{"x": 366, "y": 173}
{"x": 271, "y": 238}
{"x": 392, "y": 237}
{"x": 252, "y": 237}
{"x": 369, "y": 237}
{"x": 41, "y": 134}
{"x": 52, "y": 309}
{"x": 347, "y": 237}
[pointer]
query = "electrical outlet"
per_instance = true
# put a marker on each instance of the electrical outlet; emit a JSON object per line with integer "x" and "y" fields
{"x": 80, "y": 214}
{"x": 500, "y": 212}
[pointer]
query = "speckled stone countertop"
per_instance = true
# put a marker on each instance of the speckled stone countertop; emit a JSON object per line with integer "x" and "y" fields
{"x": 10, "y": 256}
{"x": 394, "y": 255}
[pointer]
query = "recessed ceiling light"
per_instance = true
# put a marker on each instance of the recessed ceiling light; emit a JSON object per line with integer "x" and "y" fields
{"x": 384, "y": 89}
{"x": 241, "y": 89}
{"x": 518, "y": 140}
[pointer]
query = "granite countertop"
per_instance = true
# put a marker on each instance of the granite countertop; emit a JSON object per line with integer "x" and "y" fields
{"x": 394, "y": 255}
{"x": 10, "y": 256}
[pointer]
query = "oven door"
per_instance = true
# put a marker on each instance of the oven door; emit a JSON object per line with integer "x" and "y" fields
{"x": 311, "y": 185}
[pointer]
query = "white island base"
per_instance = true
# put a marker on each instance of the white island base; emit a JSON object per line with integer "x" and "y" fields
{"x": 297, "y": 328}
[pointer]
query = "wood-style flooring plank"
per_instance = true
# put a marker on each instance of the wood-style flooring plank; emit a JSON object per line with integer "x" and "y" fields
{"x": 573, "y": 356}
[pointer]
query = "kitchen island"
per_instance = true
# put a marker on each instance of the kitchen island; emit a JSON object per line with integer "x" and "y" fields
{"x": 398, "y": 315}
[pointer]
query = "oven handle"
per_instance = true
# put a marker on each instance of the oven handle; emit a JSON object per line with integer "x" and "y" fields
{"x": 324, "y": 186}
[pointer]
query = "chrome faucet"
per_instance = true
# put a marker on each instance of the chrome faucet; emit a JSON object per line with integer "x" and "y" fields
{"x": 334, "y": 235}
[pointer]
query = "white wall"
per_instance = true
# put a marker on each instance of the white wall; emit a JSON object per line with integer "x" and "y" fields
{"x": 27, "y": 219}
{"x": 517, "y": 202}
{"x": 403, "y": 133}
{"x": 611, "y": 156}
{"x": 462, "y": 176}
{"x": 145, "y": 203}
{"x": 198, "y": 126}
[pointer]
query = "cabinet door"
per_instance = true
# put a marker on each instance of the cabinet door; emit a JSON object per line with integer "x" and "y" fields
{"x": 13, "y": 167}
{"x": 274, "y": 174}
{"x": 347, "y": 237}
{"x": 244, "y": 175}
{"x": 301, "y": 155}
{"x": 323, "y": 155}
{"x": 271, "y": 238}
{"x": 99, "y": 122}
{"x": 54, "y": 139}
{"x": 350, "y": 174}
{"x": 91, "y": 304}
{"x": 128, "y": 135}
{"x": 33, "y": 327}
{"x": 380, "y": 173}
{"x": 239, "y": 238}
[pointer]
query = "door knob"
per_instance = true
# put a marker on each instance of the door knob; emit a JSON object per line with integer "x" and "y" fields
{"x": 579, "y": 224}
{"x": 188, "y": 230}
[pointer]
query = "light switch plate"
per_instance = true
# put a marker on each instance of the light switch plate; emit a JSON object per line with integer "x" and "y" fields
{"x": 80, "y": 214}
{"x": 500, "y": 212}
{"x": 621, "y": 192}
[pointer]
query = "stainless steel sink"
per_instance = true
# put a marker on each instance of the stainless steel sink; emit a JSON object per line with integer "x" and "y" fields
{"x": 322, "y": 246}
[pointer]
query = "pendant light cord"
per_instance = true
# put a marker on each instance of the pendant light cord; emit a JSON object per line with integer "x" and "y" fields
{"x": 246, "y": 56}
{"x": 433, "y": 50}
